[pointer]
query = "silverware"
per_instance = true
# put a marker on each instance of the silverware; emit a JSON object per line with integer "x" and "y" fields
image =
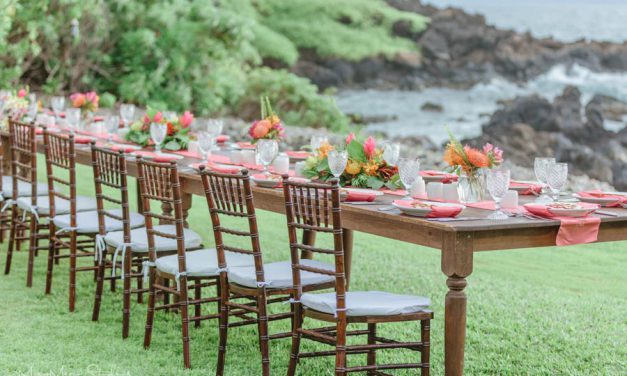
{"x": 610, "y": 214}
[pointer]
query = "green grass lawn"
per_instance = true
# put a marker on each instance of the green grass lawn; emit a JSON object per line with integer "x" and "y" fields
{"x": 549, "y": 311}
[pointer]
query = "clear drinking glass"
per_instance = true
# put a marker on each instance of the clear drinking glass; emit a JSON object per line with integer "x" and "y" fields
{"x": 337, "y": 162}
{"x": 57, "y": 104}
{"x": 267, "y": 150}
{"x": 32, "y": 110}
{"x": 73, "y": 119}
{"x": 112, "y": 124}
{"x": 556, "y": 178}
{"x": 169, "y": 115}
{"x": 541, "y": 168}
{"x": 408, "y": 171}
{"x": 498, "y": 184}
{"x": 391, "y": 153}
{"x": 205, "y": 144}
{"x": 317, "y": 141}
{"x": 158, "y": 132}
{"x": 127, "y": 113}
{"x": 215, "y": 127}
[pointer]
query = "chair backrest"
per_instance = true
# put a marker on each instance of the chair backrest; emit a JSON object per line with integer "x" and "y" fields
{"x": 159, "y": 183}
{"x": 110, "y": 172}
{"x": 315, "y": 207}
{"x": 230, "y": 195}
{"x": 60, "y": 153}
{"x": 23, "y": 157}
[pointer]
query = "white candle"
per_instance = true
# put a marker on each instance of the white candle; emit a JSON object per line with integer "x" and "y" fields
{"x": 418, "y": 188}
{"x": 510, "y": 200}
{"x": 435, "y": 191}
{"x": 281, "y": 164}
{"x": 449, "y": 192}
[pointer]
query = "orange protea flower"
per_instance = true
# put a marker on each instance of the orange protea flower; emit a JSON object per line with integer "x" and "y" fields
{"x": 372, "y": 168}
{"x": 452, "y": 157}
{"x": 274, "y": 120}
{"x": 324, "y": 149}
{"x": 476, "y": 157}
{"x": 353, "y": 167}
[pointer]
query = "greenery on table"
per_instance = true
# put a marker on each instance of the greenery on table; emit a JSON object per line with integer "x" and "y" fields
{"x": 525, "y": 316}
{"x": 194, "y": 54}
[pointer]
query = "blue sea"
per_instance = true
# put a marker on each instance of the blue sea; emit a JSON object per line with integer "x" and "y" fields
{"x": 466, "y": 110}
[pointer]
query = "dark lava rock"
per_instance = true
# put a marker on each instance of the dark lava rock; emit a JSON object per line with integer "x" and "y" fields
{"x": 432, "y": 107}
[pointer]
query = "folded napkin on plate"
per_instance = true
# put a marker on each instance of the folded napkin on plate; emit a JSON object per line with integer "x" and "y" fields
{"x": 279, "y": 182}
{"x": 437, "y": 211}
{"x": 297, "y": 154}
{"x": 446, "y": 177}
{"x": 82, "y": 140}
{"x": 222, "y": 138}
{"x": 245, "y": 145}
{"x": 532, "y": 189}
{"x": 599, "y": 194}
{"x": 360, "y": 196}
{"x": 187, "y": 153}
{"x": 395, "y": 192}
{"x": 161, "y": 158}
{"x": 98, "y": 119}
{"x": 124, "y": 148}
{"x": 220, "y": 159}
{"x": 572, "y": 230}
{"x": 40, "y": 130}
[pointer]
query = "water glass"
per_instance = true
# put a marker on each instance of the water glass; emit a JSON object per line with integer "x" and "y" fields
{"x": 337, "y": 162}
{"x": 236, "y": 157}
{"x": 158, "y": 132}
{"x": 249, "y": 157}
{"x": 556, "y": 178}
{"x": 281, "y": 164}
{"x": 169, "y": 115}
{"x": 391, "y": 153}
{"x": 205, "y": 144}
{"x": 317, "y": 141}
{"x": 112, "y": 124}
{"x": 540, "y": 168}
{"x": 73, "y": 119}
{"x": 32, "y": 110}
{"x": 267, "y": 150}
{"x": 215, "y": 127}
{"x": 408, "y": 171}
{"x": 510, "y": 200}
{"x": 498, "y": 185}
{"x": 299, "y": 168}
{"x": 57, "y": 104}
{"x": 127, "y": 113}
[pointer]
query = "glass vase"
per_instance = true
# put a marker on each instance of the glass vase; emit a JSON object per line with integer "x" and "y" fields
{"x": 472, "y": 186}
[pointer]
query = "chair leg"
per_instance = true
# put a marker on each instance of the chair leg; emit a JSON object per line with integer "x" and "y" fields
{"x": 99, "y": 287}
{"x": 425, "y": 334}
{"x": 262, "y": 322}
{"x": 52, "y": 252}
{"x": 12, "y": 233}
{"x": 150, "y": 317}
{"x": 32, "y": 245}
{"x": 372, "y": 354}
{"x": 197, "y": 309}
{"x": 340, "y": 349}
{"x": 184, "y": 304}
{"x": 298, "y": 324}
{"x": 223, "y": 292}
{"x": 140, "y": 285}
{"x": 126, "y": 309}
{"x": 72, "y": 297}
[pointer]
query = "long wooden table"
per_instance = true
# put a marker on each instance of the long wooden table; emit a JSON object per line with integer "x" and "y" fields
{"x": 457, "y": 241}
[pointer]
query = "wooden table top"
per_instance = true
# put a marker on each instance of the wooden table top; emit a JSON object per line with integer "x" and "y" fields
{"x": 515, "y": 232}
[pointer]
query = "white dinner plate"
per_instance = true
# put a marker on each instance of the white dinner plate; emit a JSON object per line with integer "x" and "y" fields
{"x": 574, "y": 212}
{"x": 345, "y": 191}
{"x": 596, "y": 200}
{"x": 423, "y": 212}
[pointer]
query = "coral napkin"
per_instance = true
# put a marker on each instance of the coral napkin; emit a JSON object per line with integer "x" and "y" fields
{"x": 279, "y": 182}
{"x": 82, "y": 140}
{"x": 532, "y": 189}
{"x": 124, "y": 148}
{"x": 572, "y": 230}
{"x": 446, "y": 177}
{"x": 187, "y": 153}
{"x": 245, "y": 145}
{"x": 395, "y": 192}
{"x": 599, "y": 194}
{"x": 353, "y": 196}
{"x": 437, "y": 211}
{"x": 156, "y": 157}
{"x": 222, "y": 138}
{"x": 298, "y": 154}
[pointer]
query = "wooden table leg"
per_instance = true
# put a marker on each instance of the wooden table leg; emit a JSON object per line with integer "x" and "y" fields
{"x": 457, "y": 255}
{"x": 309, "y": 238}
{"x": 348, "y": 254}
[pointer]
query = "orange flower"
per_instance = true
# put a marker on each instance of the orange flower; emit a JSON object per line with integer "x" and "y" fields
{"x": 353, "y": 167}
{"x": 274, "y": 120}
{"x": 372, "y": 168}
{"x": 476, "y": 158}
{"x": 324, "y": 149}
{"x": 452, "y": 157}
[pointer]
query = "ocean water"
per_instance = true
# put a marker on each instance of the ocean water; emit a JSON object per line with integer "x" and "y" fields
{"x": 466, "y": 110}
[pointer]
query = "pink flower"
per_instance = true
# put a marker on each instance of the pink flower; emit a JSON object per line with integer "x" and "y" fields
{"x": 78, "y": 100}
{"x": 92, "y": 97}
{"x": 21, "y": 93}
{"x": 487, "y": 148}
{"x": 369, "y": 147}
{"x": 186, "y": 119}
{"x": 350, "y": 138}
{"x": 158, "y": 117}
{"x": 498, "y": 155}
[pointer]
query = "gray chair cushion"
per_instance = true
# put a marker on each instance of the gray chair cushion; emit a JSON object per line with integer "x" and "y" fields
{"x": 278, "y": 275}
{"x": 23, "y": 188}
{"x": 367, "y": 303}
{"x": 139, "y": 239}
{"x": 62, "y": 206}
{"x": 87, "y": 222}
{"x": 202, "y": 263}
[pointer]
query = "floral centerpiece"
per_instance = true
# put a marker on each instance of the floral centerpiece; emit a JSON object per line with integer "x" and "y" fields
{"x": 470, "y": 163}
{"x": 14, "y": 105}
{"x": 88, "y": 104}
{"x": 365, "y": 167}
{"x": 177, "y": 137}
{"x": 269, "y": 127}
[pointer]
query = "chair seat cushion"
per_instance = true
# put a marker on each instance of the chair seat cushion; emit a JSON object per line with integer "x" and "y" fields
{"x": 139, "y": 239}
{"x": 202, "y": 263}
{"x": 23, "y": 188}
{"x": 278, "y": 275}
{"x": 87, "y": 222}
{"x": 367, "y": 303}
{"x": 83, "y": 203}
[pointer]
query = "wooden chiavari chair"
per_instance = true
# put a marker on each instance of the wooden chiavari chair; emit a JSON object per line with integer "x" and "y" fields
{"x": 159, "y": 183}
{"x": 111, "y": 183}
{"x": 261, "y": 284}
{"x": 316, "y": 207}
{"x": 23, "y": 194}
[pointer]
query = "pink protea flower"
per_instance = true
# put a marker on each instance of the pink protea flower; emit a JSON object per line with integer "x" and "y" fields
{"x": 369, "y": 147}
{"x": 21, "y": 93}
{"x": 487, "y": 148}
{"x": 78, "y": 100}
{"x": 498, "y": 155}
{"x": 186, "y": 119}
{"x": 158, "y": 117}
{"x": 350, "y": 138}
